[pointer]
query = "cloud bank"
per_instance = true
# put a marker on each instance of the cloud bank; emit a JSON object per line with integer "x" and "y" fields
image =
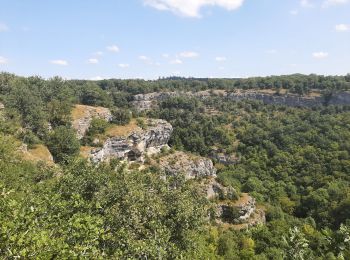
{"x": 191, "y": 8}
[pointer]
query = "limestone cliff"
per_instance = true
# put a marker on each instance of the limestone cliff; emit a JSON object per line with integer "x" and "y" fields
{"x": 82, "y": 116}
{"x": 134, "y": 146}
{"x": 151, "y": 100}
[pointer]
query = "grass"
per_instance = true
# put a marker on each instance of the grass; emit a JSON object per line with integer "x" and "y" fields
{"x": 38, "y": 153}
{"x": 122, "y": 130}
{"x": 85, "y": 151}
{"x": 81, "y": 111}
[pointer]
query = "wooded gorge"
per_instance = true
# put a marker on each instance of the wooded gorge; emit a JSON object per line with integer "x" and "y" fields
{"x": 295, "y": 162}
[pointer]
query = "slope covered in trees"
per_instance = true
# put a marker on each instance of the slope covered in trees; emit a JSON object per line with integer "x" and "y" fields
{"x": 294, "y": 161}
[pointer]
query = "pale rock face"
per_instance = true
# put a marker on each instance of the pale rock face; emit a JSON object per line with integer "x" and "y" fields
{"x": 136, "y": 145}
{"x": 245, "y": 215}
{"x": 191, "y": 166}
{"x": 214, "y": 190}
{"x": 149, "y": 101}
{"x": 82, "y": 122}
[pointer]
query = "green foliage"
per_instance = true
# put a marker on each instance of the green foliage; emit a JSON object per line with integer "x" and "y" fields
{"x": 97, "y": 126}
{"x": 92, "y": 95}
{"x": 141, "y": 123}
{"x": 97, "y": 212}
{"x": 63, "y": 144}
{"x": 59, "y": 113}
{"x": 121, "y": 116}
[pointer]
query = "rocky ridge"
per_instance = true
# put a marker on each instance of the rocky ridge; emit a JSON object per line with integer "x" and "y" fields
{"x": 137, "y": 144}
{"x": 148, "y": 101}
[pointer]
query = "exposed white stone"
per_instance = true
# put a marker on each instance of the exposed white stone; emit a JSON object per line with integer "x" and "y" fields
{"x": 82, "y": 124}
{"x": 190, "y": 165}
{"x": 136, "y": 145}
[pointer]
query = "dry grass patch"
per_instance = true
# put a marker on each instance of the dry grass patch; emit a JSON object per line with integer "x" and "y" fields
{"x": 85, "y": 151}
{"x": 81, "y": 111}
{"x": 243, "y": 200}
{"x": 123, "y": 130}
{"x": 38, "y": 153}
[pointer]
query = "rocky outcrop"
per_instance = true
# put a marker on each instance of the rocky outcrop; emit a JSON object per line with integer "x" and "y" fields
{"x": 223, "y": 158}
{"x": 2, "y": 106}
{"x": 214, "y": 190}
{"x": 148, "y": 101}
{"x": 136, "y": 145}
{"x": 241, "y": 214}
{"x": 143, "y": 102}
{"x": 82, "y": 116}
{"x": 193, "y": 167}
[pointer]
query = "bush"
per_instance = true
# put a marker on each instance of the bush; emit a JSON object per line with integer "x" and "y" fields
{"x": 63, "y": 144}
{"x": 97, "y": 126}
{"x": 121, "y": 116}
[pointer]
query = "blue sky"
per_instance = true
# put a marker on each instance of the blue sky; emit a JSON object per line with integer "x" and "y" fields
{"x": 95, "y": 39}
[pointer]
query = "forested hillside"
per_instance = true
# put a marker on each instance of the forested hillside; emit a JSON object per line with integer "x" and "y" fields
{"x": 294, "y": 161}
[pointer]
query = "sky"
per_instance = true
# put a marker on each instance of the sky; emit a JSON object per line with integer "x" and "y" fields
{"x": 97, "y": 39}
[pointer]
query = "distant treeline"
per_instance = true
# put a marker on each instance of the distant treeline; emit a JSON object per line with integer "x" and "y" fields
{"x": 296, "y": 83}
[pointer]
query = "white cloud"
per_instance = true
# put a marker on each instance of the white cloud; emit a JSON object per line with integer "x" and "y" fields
{"x": 328, "y": 3}
{"x": 320, "y": 55}
{"x": 59, "y": 62}
{"x": 220, "y": 59}
{"x": 189, "y": 54}
{"x": 96, "y": 78}
{"x": 342, "y": 27}
{"x": 165, "y": 55}
{"x": 294, "y": 12}
{"x": 93, "y": 61}
{"x": 191, "y": 8}
{"x": 146, "y": 59}
{"x": 4, "y": 27}
{"x": 3, "y": 60}
{"x": 149, "y": 61}
{"x": 113, "y": 48}
{"x": 123, "y": 65}
{"x": 176, "y": 61}
{"x": 306, "y": 3}
{"x": 98, "y": 53}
